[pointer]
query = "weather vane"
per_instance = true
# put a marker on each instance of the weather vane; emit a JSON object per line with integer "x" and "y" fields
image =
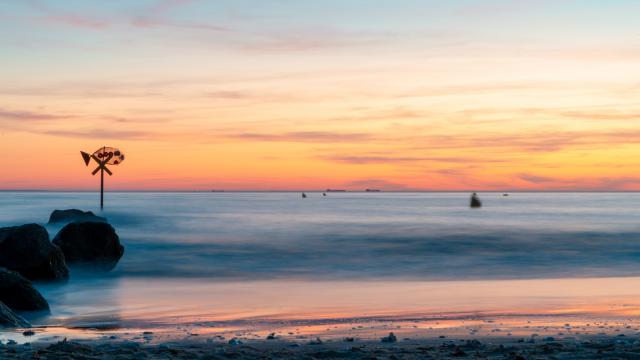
{"x": 103, "y": 156}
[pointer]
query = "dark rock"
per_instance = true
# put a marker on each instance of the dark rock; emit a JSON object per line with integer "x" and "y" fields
{"x": 27, "y": 250}
{"x": 458, "y": 352}
{"x": 94, "y": 245}
{"x": 389, "y": 339}
{"x": 9, "y": 319}
{"x": 29, "y": 333}
{"x": 73, "y": 215}
{"x": 475, "y": 201}
{"x": 68, "y": 347}
{"x": 17, "y": 293}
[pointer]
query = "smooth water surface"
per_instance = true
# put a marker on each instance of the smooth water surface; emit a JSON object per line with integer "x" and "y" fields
{"x": 246, "y": 255}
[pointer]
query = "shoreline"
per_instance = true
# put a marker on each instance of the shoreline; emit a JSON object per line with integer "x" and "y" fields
{"x": 443, "y": 347}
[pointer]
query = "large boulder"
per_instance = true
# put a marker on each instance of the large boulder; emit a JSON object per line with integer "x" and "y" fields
{"x": 27, "y": 250}
{"x": 91, "y": 245}
{"x": 9, "y": 319}
{"x": 73, "y": 215}
{"x": 17, "y": 293}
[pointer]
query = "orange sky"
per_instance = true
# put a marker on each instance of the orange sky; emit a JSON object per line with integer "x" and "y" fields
{"x": 397, "y": 95}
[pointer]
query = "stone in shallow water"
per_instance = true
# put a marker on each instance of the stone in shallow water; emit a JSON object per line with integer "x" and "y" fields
{"x": 389, "y": 339}
{"x": 91, "y": 245}
{"x": 73, "y": 215}
{"x": 17, "y": 293}
{"x": 27, "y": 250}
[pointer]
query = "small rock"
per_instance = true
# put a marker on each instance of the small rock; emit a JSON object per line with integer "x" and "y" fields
{"x": 235, "y": 341}
{"x": 29, "y": 333}
{"x": 389, "y": 339}
{"x": 271, "y": 336}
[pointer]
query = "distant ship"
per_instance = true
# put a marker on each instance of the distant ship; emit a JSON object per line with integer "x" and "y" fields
{"x": 217, "y": 190}
{"x": 372, "y": 190}
{"x": 336, "y": 190}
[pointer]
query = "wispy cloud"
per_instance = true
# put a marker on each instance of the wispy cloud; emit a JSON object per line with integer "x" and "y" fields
{"x": 153, "y": 16}
{"x": 22, "y": 116}
{"x": 377, "y": 159}
{"x": 303, "y": 136}
{"x": 377, "y": 184}
{"x": 103, "y": 134}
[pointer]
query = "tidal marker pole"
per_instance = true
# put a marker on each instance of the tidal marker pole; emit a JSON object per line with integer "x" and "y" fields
{"x": 103, "y": 156}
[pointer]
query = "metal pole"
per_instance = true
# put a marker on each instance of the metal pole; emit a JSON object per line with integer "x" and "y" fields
{"x": 101, "y": 188}
{"x": 102, "y": 179}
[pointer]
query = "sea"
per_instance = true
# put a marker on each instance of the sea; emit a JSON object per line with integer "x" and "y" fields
{"x": 247, "y": 257}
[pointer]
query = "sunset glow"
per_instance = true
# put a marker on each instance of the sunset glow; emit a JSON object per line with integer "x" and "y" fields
{"x": 288, "y": 95}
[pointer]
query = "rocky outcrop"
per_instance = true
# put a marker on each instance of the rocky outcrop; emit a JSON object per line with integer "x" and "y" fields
{"x": 27, "y": 250}
{"x": 91, "y": 245}
{"x": 17, "y": 293}
{"x": 9, "y": 319}
{"x": 475, "y": 201}
{"x": 73, "y": 215}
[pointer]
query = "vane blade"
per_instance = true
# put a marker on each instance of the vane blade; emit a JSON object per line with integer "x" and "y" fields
{"x": 106, "y": 169}
{"x": 86, "y": 157}
{"x": 96, "y": 170}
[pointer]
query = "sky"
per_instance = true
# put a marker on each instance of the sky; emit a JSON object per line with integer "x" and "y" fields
{"x": 303, "y": 95}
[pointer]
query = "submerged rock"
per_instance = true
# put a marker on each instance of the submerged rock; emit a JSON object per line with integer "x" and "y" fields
{"x": 27, "y": 250}
{"x": 475, "y": 201}
{"x": 73, "y": 215}
{"x": 17, "y": 293}
{"x": 9, "y": 319}
{"x": 93, "y": 245}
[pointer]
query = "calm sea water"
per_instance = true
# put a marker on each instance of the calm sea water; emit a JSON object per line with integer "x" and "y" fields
{"x": 271, "y": 254}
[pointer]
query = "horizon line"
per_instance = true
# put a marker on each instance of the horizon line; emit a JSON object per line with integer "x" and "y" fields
{"x": 325, "y": 191}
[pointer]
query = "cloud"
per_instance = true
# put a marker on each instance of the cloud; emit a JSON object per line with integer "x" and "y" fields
{"x": 304, "y": 136}
{"x": 375, "y": 159}
{"x": 151, "y": 16}
{"x": 103, "y": 134}
{"x": 20, "y": 115}
{"x": 378, "y": 184}
{"x": 535, "y": 179}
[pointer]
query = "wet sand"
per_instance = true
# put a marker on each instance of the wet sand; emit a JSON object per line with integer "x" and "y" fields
{"x": 563, "y": 336}
{"x": 587, "y": 347}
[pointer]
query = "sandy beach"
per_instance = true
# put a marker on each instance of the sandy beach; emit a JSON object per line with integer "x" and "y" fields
{"x": 485, "y": 338}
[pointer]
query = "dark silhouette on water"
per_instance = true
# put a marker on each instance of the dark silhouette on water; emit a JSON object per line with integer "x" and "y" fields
{"x": 103, "y": 156}
{"x": 304, "y": 195}
{"x": 475, "y": 201}
{"x": 324, "y": 194}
